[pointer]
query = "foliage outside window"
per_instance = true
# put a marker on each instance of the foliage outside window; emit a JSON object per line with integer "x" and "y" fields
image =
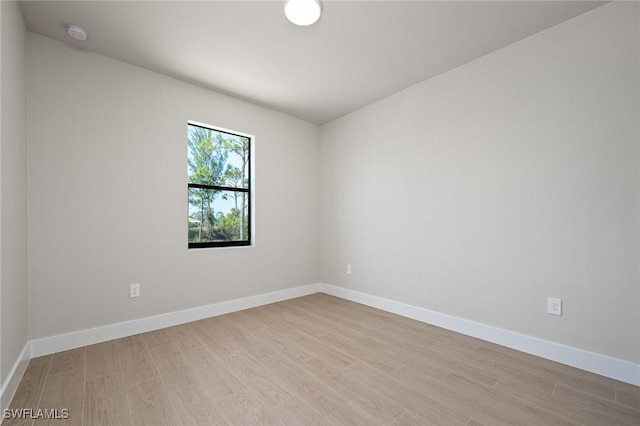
{"x": 219, "y": 188}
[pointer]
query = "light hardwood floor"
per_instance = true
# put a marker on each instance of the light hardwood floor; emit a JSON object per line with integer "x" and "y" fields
{"x": 316, "y": 360}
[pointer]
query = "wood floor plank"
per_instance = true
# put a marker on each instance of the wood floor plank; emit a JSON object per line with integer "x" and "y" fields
{"x": 379, "y": 324}
{"x": 410, "y": 359}
{"x": 135, "y": 361}
{"x": 379, "y": 359}
{"x": 273, "y": 321}
{"x": 232, "y": 331}
{"x": 537, "y": 388}
{"x": 602, "y": 406}
{"x": 41, "y": 360}
{"x": 523, "y": 411}
{"x": 437, "y": 336}
{"x": 409, "y": 418}
{"x": 506, "y": 363}
{"x": 30, "y": 388}
{"x": 248, "y": 319}
{"x": 335, "y": 357}
{"x": 136, "y": 338}
{"x": 496, "y": 363}
{"x": 352, "y": 415}
{"x": 213, "y": 376}
{"x": 261, "y": 347}
{"x": 579, "y": 411}
{"x": 437, "y": 359}
{"x": 220, "y": 334}
{"x": 157, "y": 338}
{"x": 282, "y": 344}
{"x": 184, "y": 338}
{"x": 355, "y": 323}
{"x": 350, "y": 324}
{"x": 102, "y": 360}
{"x": 467, "y": 403}
{"x": 318, "y": 395}
{"x": 384, "y": 335}
{"x": 356, "y": 392}
{"x": 621, "y": 386}
{"x": 195, "y": 406}
{"x": 173, "y": 367}
{"x": 151, "y": 405}
{"x": 212, "y": 338}
{"x": 382, "y": 318}
{"x": 263, "y": 383}
{"x": 296, "y": 411}
{"x": 397, "y": 330}
{"x": 64, "y": 390}
{"x": 68, "y": 360}
{"x": 290, "y": 307}
{"x": 18, "y": 420}
{"x": 431, "y": 409}
{"x": 106, "y": 401}
{"x": 306, "y": 324}
{"x": 343, "y": 309}
{"x": 492, "y": 347}
{"x": 629, "y": 398}
{"x": 299, "y": 322}
{"x": 332, "y": 326}
{"x": 457, "y": 339}
{"x": 245, "y": 409}
{"x": 570, "y": 376}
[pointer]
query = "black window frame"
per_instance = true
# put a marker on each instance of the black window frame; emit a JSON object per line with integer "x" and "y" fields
{"x": 247, "y": 190}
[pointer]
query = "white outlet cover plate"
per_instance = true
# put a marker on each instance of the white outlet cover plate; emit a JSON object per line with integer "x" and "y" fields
{"x": 554, "y": 306}
{"x": 134, "y": 290}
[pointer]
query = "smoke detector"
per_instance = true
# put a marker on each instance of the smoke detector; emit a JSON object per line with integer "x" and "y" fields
{"x": 77, "y": 32}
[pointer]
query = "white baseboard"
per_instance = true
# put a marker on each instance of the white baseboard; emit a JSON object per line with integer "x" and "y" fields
{"x": 596, "y": 363}
{"x": 10, "y": 385}
{"x": 600, "y": 364}
{"x": 76, "y": 339}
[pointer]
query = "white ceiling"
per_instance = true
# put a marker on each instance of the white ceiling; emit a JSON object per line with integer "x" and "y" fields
{"x": 358, "y": 53}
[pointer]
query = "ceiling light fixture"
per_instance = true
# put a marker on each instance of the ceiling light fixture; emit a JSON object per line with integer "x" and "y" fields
{"x": 302, "y": 12}
{"x": 77, "y": 32}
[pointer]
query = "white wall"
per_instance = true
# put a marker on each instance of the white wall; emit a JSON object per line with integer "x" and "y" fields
{"x": 13, "y": 189}
{"x": 108, "y": 194}
{"x": 482, "y": 191}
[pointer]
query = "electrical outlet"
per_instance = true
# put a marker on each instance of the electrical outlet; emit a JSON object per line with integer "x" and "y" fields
{"x": 348, "y": 269}
{"x": 554, "y": 306}
{"x": 134, "y": 290}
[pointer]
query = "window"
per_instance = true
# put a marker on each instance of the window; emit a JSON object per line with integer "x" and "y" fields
{"x": 219, "y": 187}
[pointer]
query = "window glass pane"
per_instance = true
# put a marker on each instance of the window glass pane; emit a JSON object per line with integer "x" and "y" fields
{"x": 218, "y": 215}
{"x": 218, "y": 158}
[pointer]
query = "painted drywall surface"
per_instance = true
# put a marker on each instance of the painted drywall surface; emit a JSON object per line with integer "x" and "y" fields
{"x": 486, "y": 189}
{"x": 108, "y": 194}
{"x": 13, "y": 188}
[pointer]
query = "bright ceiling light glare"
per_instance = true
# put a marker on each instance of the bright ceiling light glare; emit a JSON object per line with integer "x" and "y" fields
{"x": 302, "y": 12}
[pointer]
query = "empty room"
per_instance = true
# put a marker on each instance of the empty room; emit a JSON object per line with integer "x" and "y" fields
{"x": 319, "y": 212}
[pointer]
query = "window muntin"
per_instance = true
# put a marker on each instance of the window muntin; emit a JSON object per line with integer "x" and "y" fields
{"x": 219, "y": 187}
